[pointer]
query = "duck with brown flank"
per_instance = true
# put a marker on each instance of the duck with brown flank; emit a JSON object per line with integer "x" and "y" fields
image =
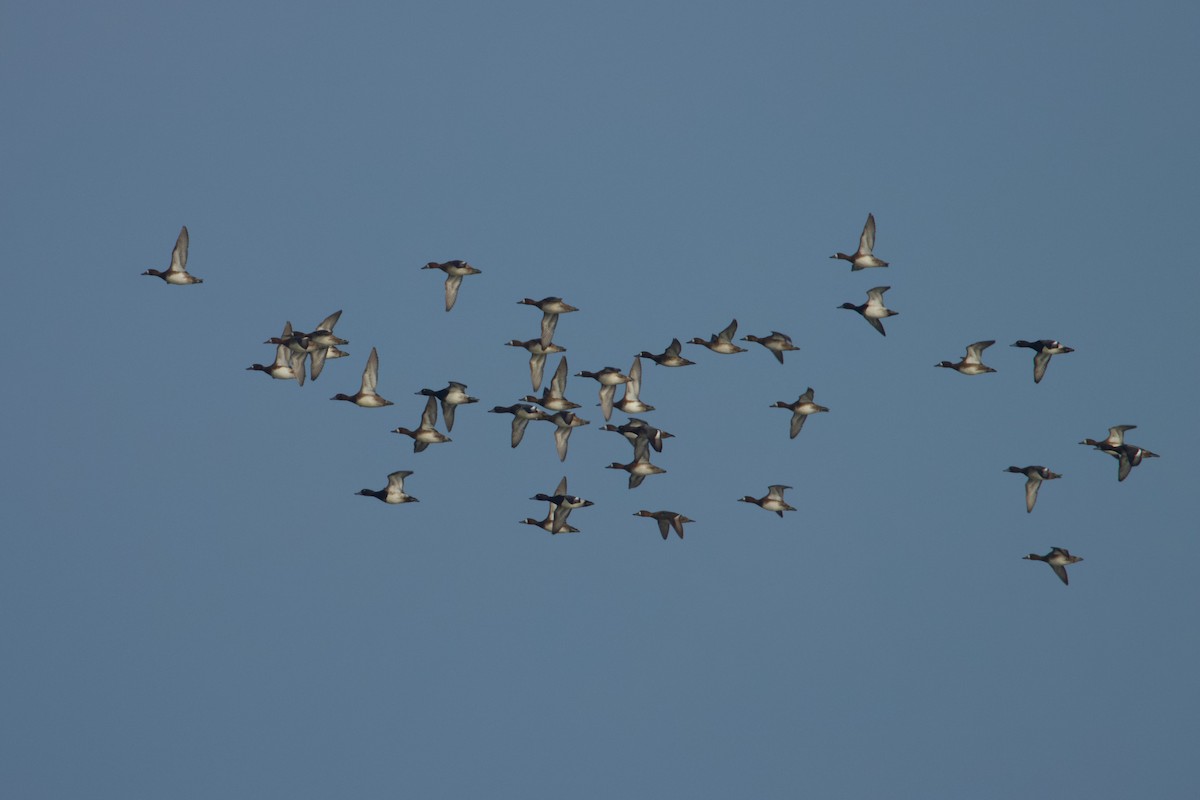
{"x": 772, "y": 501}
{"x": 972, "y": 363}
{"x": 864, "y": 258}
{"x": 721, "y": 342}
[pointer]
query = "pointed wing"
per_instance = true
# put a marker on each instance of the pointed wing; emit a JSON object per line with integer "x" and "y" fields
{"x": 866, "y": 242}
{"x": 1124, "y": 465}
{"x": 419, "y": 446}
{"x": 448, "y": 414}
{"x": 317, "y": 361}
{"x": 677, "y": 524}
{"x": 549, "y": 323}
{"x": 797, "y": 423}
{"x": 807, "y": 397}
{"x": 729, "y": 332}
{"x": 641, "y": 448}
{"x": 876, "y": 324}
{"x": 537, "y": 363}
{"x": 674, "y": 348}
{"x": 518, "y": 429}
{"x": 975, "y": 351}
{"x": 396, "y": 481}
{"x": 558, "y": 384}
{"x": 606, "y": 400}
{"x": 429, "y": 415}
{"x": 371, "y": 373}
{"x": 664, "y": 527}
{"x": 775, "y": 492}
{"x": 562, "y": 435}
{"x": 1061, "y": 572}
{"x": 179, "y": 253}
{"x": 635, "y": 480}
{"x": 875, "y": 296}
{"x": 296, "y": 362}
{"x": 328, "y": 323}
{"x": 1041, "y": 360}
{"x": 634, "y": 385}
{"x": 1031, "y": 491}
{"x": 452, "y": 284}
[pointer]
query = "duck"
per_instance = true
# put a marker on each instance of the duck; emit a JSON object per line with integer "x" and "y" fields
{"x": 455, "y": 271}
{"x": 637, "y": 430}
{"x": 1128, "y": 456}
{"x": 453, "y": 396}
{"x": 393, "y": 493}
{"x": 366, "y": 397}
{"x": 318, "y": 342}
{"x": 561, "y": 504}
{"x": 177, "y": 274}
{"x": 773, "y": 501}
{"x": 666, "y": 521}
{"x": 551, "y": 307}
{"x": 864, "y": 258}
{"x": 1116, "y": 437}
{"x": 629, "y": 402}
{"x": 537, "y": 357}
{"x": 1034, "y": 476}
{"x": 425, "y": 434}
{"x": 281, "y": 369}
{"x": 547, "y": 525}
{"x": 1041, "y": 359}
{"x": 295, "y": 345}
{"x": 522, "y": 413}
{"x": 971, "y": 363}
{"x": 801, "y": 409}
{"x": 565, "y": 422}
{"x": 721, "y": 342}
{"x": 1058, "y": 558}
{"x": 609, "y": 379}
{"x": 778, "y": 343}
{"x": 638, "y": 469}
{"x": 670, "y": 357}
{"x": 873, "y": 310}
{"x": 554, "y": 396}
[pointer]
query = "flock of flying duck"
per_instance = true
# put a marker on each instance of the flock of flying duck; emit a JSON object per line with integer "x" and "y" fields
{"x": 294, "y": 348}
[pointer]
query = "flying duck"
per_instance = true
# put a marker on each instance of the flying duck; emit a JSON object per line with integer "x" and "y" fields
{"x": 666, "y": 521}
{"x": 393, "y": 494}
{"x": 863, "y": 258}
{"x": 1034, "y": 477}
{"x": 971, "y": 363}
{"x": 455, "y": 272}
{"x": 1057, "y": 558}
{"x": 873, "y": 310}
{"x": 366, "y": 396}
{"x": 177, "y": 274}
{"x": 801, "y": 409}
{"x": 1041, "y": 359}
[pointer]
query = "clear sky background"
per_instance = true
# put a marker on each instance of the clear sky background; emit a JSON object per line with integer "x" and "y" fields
{"x": 196, "y": 605}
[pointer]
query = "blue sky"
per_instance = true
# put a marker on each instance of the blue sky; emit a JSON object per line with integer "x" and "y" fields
{"x": 197, "y": 605}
